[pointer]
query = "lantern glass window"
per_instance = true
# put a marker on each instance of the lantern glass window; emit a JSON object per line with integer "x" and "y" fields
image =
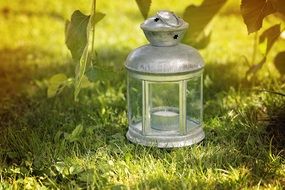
{"x": 164, "y": 106}
{"x": 134, "y": 101}
{"x": 194, "y": 102}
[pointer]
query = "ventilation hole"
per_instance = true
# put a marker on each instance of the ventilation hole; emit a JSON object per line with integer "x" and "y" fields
{"x": 156, "y": 19}
{"x": 175, "y": 36}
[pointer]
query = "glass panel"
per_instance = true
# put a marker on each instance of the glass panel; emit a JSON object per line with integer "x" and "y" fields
{"x": 164, "y": 106}
{"x": 134, "y": 101}
{"x": 194, "y": 102}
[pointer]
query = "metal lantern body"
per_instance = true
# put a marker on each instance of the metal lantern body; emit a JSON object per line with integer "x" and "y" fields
{"x": 165, "y": 86}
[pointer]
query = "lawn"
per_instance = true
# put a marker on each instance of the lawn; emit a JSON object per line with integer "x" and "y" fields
{"x": 56, "y": 143}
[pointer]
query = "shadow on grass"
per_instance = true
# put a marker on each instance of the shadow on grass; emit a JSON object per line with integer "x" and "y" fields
{"x": 219, "y": 79}
{"x": 28, "y": 119}
{"x": 275, "y": 127}
{"x": 19, "y": 70}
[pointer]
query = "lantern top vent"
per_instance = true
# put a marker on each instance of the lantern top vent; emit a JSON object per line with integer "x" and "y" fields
{"x": 164, "y": 29}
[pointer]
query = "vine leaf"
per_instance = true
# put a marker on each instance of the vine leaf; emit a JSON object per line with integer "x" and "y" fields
{"x": 77, "y": 42}
{"x": 254, "y": 11}
{"x": 76, "y": 34}
{"x": 144, "y": 6}
{"x": 56, "y": 84}
{"x": 280, "y": 63}
{"x": 80, "y": 70}
{"x": 97, "y": 17}
{"x": 198, "y": 18}
{"x": 80, "y": 42}
{"x": 75, "y": 135}
{"x": 86, "y": 83}
{"x": 269, "y": 37}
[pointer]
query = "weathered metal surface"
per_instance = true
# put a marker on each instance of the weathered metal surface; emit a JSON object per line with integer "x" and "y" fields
{"x": 164, "y": 60}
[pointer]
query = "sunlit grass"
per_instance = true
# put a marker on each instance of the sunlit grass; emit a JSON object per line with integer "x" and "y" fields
{"x": 35, "y": 150}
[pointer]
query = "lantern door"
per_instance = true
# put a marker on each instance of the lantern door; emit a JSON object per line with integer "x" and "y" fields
{"x": 161, "y": 108}
{"x": 194, "y": 102}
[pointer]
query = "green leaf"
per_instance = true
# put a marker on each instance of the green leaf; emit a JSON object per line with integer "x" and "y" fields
{"x": 279, "y": 62}
{"x": 62, "y": 168}
{"x": 198, "y": 18}
{"x": 80, "y": 42}
{"x": 75, "y": 169}
{"x": 91, "y": 74}
{"x": 79, "y": 71}
{"x": 76, "y": 132}
{"x": 75, "y": 135}
{"x": 57, "y": 136}
{"x": 76, "y": 34}
{"x": 85, "y": 83}
{"x": 269, "y": 37}
{"x": 56, "y": 84}
{"x": 254, "y": 11}
{"x": 144, "y": 6}
{"x": 97, "y": 17}
{"x": 87, "y": 176}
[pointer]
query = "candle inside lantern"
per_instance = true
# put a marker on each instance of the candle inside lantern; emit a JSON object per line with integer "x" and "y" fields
{"x": 164, "y": 118}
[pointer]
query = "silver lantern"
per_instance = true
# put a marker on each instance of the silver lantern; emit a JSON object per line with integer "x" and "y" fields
{"x": 165, "y": 86}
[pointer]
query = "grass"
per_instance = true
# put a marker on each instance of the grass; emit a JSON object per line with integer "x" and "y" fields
{"x": 60, "y": 144}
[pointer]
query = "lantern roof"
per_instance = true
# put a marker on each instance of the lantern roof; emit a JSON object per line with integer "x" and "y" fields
{"x": 164, "y": 60}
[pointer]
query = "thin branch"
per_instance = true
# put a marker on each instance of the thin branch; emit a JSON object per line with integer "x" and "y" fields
{"x": 253, "y": 58}
{"x": 272, "y": 92}
{"x": 93, "y": 13}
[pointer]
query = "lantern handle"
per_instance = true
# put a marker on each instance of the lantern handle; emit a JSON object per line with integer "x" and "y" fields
{"x": 165, "y": 17}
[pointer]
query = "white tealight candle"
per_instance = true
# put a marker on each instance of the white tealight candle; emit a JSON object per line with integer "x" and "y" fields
{"x": 165, "y": 113}
{"x": 165, "y": 119}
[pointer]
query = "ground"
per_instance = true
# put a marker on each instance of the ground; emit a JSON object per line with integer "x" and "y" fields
{"x": 56, "y": 143}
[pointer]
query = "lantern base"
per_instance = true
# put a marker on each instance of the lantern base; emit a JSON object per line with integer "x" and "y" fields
{"x": 165, "y": 139}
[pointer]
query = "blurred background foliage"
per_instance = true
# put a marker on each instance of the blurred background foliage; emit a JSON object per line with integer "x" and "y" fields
{"x": 58, "y": 143}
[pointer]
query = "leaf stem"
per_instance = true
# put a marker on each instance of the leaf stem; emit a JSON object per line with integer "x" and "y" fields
{"x": 93, "y": 13}
{"x": 255, "y": 41}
